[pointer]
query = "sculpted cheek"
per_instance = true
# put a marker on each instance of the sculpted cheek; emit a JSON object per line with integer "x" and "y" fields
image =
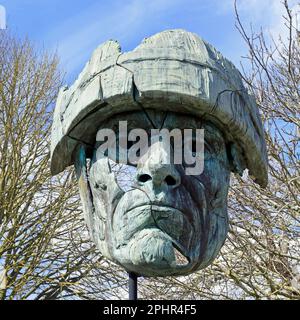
{"x": 216, "y": 174}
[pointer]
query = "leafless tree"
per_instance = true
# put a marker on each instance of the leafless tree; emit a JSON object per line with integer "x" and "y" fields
{"x": 45, "y": 252}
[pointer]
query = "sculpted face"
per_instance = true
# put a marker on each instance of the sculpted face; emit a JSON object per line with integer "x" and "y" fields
{"x": 152, "y": 218}
{"x": 150, "y": 215}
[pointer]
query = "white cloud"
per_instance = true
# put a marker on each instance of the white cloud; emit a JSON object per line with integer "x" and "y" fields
{"x": 267, "y": 14}
{"x": 85, "y": 31}
{"x": 129, "y": 21}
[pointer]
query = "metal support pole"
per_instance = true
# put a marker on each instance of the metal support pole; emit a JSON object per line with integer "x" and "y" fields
{"x": 132, "y": 286}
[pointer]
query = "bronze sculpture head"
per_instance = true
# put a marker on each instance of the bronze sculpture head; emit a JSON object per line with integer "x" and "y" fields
{"x": 161, "y": 221}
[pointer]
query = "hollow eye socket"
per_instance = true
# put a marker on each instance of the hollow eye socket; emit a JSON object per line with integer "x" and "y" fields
{"x": 124, "y": 175}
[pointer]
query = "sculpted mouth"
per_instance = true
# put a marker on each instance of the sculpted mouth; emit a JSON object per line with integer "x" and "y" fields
{"x": 181, "y": 256}
{"x": 162, "y": 217}
{"x": 155, "y": 207}
{"x": 167, "y": 218}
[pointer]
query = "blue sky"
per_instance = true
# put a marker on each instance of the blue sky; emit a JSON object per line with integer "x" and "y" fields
{"x": 75, "y": 28}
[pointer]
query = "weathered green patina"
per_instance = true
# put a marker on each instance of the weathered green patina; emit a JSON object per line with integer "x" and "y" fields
{"x": 167, "y": 222}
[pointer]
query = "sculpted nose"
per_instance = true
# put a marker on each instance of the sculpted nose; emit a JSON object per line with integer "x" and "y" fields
{"x": 161, "y": 175}
{"x": 155, "y": 167}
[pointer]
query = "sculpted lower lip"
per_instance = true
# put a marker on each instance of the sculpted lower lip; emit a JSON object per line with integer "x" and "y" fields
{"x": 165, "y": 212}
